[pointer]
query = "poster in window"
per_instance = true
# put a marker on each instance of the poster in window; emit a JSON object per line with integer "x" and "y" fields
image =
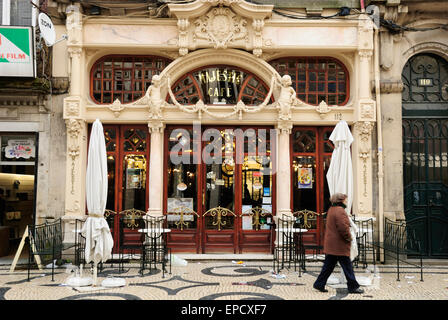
{"x": 305, "y": 178}
{"x": 133, "y": 178}
{"x": 20, "y": 148}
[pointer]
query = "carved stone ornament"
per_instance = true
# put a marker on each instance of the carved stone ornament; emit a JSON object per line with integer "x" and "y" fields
{"x": 116, "y": 108}
{"x": 74, "y": 25}
{"x": 71, "y": 108}
{"x": 367, "y": 110}
{"x": 365, "y": 54}
{"x": 156, "y": 126}
{"x": 220, "y": 26}
{"x": 73, "y": 152}
{"x": 285, "y": 127}
{"x": 364, "y": 129}
{"x": 73, "y": 127}
{"x": 322, "y": 109}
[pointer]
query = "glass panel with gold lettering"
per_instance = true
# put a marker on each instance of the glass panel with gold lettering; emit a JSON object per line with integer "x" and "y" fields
{"x": 220, "y": 85}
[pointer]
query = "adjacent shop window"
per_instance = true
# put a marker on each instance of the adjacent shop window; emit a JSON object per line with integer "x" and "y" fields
{"x": 125, "y": 78}
{"x": 17, "y": 188}
{"x": 316, "y": 79}
{"x": 220, "y": 85}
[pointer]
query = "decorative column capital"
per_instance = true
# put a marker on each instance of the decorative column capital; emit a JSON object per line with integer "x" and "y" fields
{"x": 75, "y": 52}
{"x": 285, "y": 127}
{"x": 365, "y": 54}
{"x": 156, "y": 126}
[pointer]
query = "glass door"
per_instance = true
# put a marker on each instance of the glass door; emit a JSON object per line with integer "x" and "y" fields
{"x": 219, "y": 176}
{"x": 127, "y": 150}
{"x": 311, "y": 152}
{"x": 223, "y": 188}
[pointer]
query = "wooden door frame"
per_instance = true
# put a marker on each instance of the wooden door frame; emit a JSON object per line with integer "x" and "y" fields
{"x": 319, "y": 155}
{"x": 118, "y": 183}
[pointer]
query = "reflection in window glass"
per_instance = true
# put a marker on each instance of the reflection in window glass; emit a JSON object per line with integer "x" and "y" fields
{"x": 304, "y": 183}
{"x": 134, "y": 182}
{"x": 256, "y": 183}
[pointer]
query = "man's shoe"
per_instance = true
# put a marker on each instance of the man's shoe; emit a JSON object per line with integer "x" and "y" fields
{"x": 320, "y": 289}
{"x": 358, "y": 290}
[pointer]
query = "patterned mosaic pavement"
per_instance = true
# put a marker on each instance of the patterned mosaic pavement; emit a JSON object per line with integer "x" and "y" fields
{"x": 225, "y": 280}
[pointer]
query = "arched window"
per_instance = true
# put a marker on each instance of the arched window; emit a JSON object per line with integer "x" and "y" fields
{"x": 316, "y": 79}
{"x": 221, "y": 84}
{"x": 425, "y": 85}
{"x": 123, "y": 77}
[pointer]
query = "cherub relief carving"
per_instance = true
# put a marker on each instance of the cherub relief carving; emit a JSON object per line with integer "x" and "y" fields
{"x": 287, "y": 99}
{"x": 154, "y": 98}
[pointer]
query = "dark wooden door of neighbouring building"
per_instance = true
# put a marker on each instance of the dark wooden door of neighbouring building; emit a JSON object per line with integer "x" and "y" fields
{"x": 425, "y": 147}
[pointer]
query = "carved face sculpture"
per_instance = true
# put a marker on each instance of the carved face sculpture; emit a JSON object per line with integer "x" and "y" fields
{"x": 220, "y": 26}
{"x": 155, "y": 80}
{"x": 286, "y": 80}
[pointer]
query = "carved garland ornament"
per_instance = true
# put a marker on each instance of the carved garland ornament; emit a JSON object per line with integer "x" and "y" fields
{"x": 73, "y": 152}
{"x": 364, "y": 129}
{"x": 73, "y": 128}
{"x": 286, "y": 103}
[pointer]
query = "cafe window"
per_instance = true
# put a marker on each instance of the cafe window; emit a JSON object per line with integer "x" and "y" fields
{"x": 316, "y": 79}
{"x": 125, "y": 78}
{"x": 220, "y": 85}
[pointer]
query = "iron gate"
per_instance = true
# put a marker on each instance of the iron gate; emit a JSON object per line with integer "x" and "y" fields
{"x": 425, "y": 145}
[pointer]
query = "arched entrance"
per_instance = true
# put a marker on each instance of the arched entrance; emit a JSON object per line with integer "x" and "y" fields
{"x": 425, "y": 148}
{"x": 219, "y": 193}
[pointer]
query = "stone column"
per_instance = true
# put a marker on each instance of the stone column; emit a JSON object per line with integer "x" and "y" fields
{"x": 283, "y": 168}
{"x": 156, "y": 128}
{"x": 365, "y": 117}
{"x": 76, "y": 128}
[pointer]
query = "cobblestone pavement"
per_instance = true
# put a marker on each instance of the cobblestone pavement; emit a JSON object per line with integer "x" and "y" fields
{"x": 225, "y": 280}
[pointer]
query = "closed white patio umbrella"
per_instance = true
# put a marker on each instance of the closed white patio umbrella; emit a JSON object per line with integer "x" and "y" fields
{"x": 99, "y": 241}
{"x": 340, "y": 173}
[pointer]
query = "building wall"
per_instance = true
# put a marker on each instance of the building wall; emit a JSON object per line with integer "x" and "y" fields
{"x": 267, "y": 36}
{"x": 396, "y": 49}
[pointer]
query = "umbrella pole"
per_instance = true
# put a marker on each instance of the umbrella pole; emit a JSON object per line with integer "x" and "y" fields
{"x": 94, "y": 274}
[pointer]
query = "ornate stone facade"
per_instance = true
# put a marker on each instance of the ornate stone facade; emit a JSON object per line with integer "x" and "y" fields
{"x": 220, "y": 32}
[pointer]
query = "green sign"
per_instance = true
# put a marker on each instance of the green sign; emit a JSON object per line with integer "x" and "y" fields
{"x": 16, "y": 52}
